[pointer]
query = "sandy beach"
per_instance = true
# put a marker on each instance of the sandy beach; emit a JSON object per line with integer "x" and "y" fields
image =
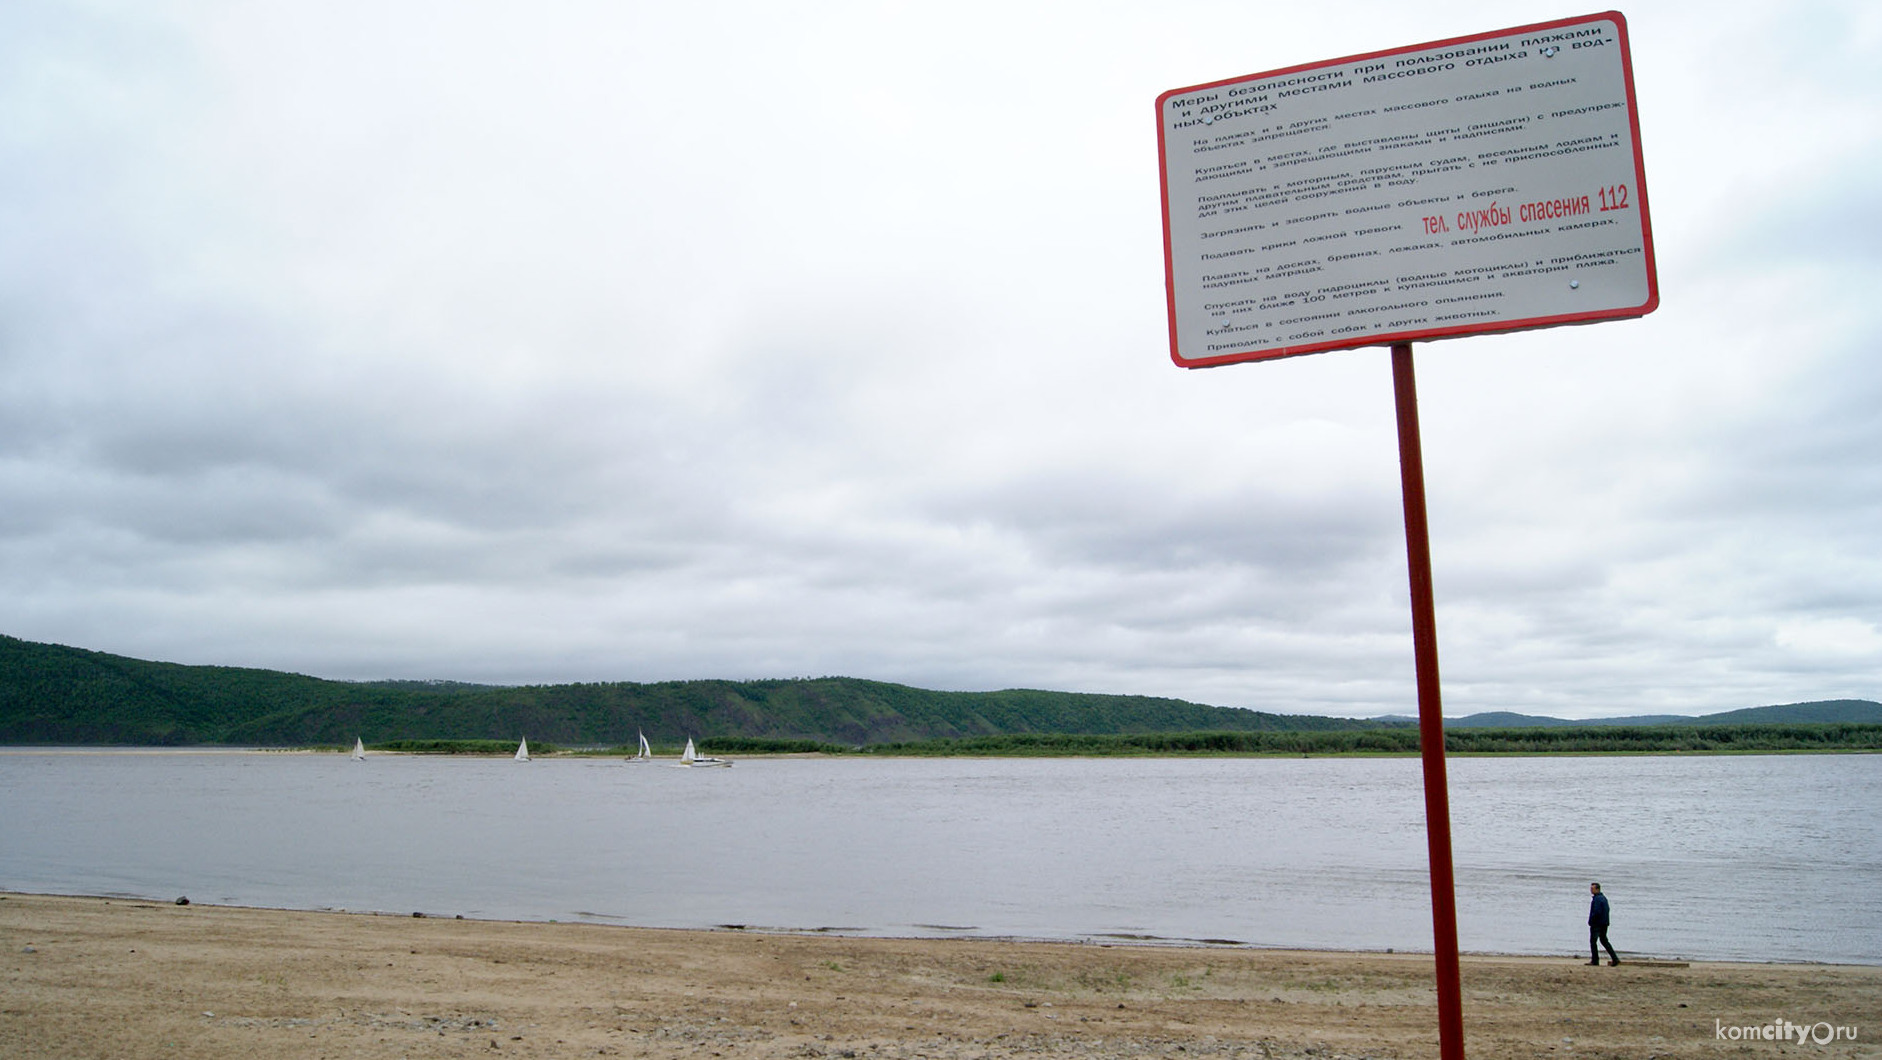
{"x": 90, "y": 977}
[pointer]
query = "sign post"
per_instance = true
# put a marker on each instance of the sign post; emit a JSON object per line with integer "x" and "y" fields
{"x": 1474, "y": 185}
{"x": 1411, "y": 473}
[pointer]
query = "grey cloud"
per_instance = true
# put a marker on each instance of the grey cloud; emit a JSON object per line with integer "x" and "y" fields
{"x": 518, "y": 348}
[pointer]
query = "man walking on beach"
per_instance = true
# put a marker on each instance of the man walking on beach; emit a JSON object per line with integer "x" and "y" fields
{"x": 1598, "y": 927}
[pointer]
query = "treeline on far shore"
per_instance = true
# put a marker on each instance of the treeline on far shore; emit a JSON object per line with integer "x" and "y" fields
{"x": 462, "y": 747}
{"x": 1654, "y": 739}
{"x": 1614, "y": 739}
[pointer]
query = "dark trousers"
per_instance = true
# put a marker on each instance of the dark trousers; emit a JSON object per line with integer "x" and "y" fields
{"x": 1598, "y": 937}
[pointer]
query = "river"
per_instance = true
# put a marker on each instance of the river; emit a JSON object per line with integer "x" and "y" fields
{"x": 1750, "y": 857}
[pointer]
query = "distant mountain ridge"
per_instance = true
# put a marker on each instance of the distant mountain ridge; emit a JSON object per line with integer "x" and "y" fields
{"x": 1821, "y": 711}
{"x": 53, "y": 694}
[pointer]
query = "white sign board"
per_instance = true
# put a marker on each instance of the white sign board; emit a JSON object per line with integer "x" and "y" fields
{"x": 1487, "y": 183}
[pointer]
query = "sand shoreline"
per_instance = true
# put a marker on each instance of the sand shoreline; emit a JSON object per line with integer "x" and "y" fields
{"x": 128, "y": 978}
{"x": 1103, "y": 939}
{"x": 953, "y": 935}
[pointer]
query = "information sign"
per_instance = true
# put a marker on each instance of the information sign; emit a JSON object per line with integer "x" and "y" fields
{"x": 1481, "y": 184}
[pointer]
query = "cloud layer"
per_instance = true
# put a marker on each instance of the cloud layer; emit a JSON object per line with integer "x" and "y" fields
{"x": 598, "y": 341}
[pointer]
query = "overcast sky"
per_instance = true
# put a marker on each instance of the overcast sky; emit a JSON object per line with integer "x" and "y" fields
{"x": 628, "y": 341}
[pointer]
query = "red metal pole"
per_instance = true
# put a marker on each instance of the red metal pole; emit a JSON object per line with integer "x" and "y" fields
{"x": 1411, "y": 470}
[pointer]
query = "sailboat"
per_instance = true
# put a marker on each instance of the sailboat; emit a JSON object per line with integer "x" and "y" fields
{"x": 359, "y": 749}
{"x": 522, "y": 751}
{"x": 692, "y": 758}
{"x": 646, "y": 752}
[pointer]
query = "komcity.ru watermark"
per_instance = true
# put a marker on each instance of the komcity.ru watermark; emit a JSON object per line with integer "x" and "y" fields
{"x": 1820, "y": 1033}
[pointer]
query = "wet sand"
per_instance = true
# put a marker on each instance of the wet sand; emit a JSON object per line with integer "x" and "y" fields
{"x": 89, "y": 977}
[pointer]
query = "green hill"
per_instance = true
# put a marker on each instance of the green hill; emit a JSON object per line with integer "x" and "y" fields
{"x": 1817, "y": 712}
{"x": 1823, "y": 711}
{"x": 50, "y": 694}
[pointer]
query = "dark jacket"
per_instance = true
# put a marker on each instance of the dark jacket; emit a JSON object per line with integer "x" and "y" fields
{"x": 1598, "y": 911}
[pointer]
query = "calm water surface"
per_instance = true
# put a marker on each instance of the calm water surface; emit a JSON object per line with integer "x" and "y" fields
{"x": 1765, "y": 857}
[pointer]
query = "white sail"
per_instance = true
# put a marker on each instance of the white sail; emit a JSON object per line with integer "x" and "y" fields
{"x": 359, "y": 749}
{"x": 522, "y": 751}
{"x": 692, "y": 757}
{"x": 646, "y": 752}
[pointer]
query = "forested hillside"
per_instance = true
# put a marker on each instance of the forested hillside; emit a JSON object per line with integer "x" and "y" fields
{"x": 50, "y": 694}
